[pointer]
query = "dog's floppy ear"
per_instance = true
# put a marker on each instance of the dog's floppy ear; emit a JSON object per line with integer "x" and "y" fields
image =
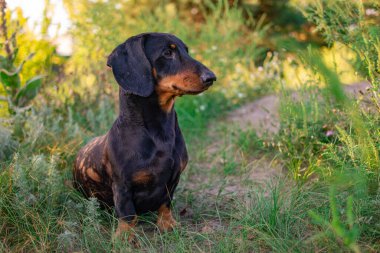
{"x": 131, "y": 68}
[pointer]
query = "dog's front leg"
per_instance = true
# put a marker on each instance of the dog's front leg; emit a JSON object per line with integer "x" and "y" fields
{"x": 125, "y": 211}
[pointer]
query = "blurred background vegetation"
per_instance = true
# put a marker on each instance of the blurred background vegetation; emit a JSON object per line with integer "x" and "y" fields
{"x": 327, "y": 144}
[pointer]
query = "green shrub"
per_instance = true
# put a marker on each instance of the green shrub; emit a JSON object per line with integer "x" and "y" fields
{"x": 17, "y": 95}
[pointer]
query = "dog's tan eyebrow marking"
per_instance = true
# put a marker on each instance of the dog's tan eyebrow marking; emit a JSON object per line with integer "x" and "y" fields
{"x": 173, "y": 46}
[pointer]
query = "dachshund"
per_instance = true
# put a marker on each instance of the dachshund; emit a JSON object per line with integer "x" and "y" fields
{"x": 135, "y": 167}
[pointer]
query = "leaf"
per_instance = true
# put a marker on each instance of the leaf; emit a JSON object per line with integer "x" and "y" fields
{"x": 28, "y": 91}
{"x": 10, "y": 79}
{"x": 19, "y": 68}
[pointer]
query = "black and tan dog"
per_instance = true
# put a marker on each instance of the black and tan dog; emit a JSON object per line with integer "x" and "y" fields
{"x": 136, "y": 166}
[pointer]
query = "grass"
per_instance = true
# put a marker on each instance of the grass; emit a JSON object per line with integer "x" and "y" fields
{"x": 311, "y": 186}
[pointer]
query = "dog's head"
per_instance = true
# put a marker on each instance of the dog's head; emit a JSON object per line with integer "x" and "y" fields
{"x": 158, "y": 62}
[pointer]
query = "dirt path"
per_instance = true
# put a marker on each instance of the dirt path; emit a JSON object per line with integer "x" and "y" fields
{"x": 262, "y": 115}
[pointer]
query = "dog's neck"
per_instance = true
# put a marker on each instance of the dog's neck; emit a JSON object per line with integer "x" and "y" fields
{"x": 136, "y": 111}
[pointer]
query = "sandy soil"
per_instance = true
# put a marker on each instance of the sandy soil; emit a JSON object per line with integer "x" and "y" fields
{"x": 263, "y": 116}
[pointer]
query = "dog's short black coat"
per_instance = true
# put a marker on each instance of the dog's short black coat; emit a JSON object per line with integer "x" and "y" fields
{"x": 136, "y": 165}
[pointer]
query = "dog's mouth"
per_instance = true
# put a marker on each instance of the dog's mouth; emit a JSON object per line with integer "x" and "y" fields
{"x": 190, "y": 92}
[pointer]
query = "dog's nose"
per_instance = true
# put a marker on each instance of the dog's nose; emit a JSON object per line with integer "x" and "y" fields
{"x": 208, "y": 78}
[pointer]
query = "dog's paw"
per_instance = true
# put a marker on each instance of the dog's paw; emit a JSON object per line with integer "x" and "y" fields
{"x": 165, "y": 221}
{"x": 124, "y": 232}
{"x": 129, "y": 236}
{"x": 166, "y": 224}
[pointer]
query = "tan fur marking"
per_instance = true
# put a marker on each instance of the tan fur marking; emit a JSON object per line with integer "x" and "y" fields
{"x": 185, "y": 81}
{"x": 173, "y": 46}
{"x": 183, "y": 165}
{"x": 125, "y": 227}
{"x": 91, "y": 173}
{"x": 166, "y": 100}
{"x": 165, "y": 221}
{"x": 170, "y": 87}
{"x": 154, "y": 72}
{"x": 142, "y": 177}
{"x": 81, "y": 164}
{"x": 109, "y": 169}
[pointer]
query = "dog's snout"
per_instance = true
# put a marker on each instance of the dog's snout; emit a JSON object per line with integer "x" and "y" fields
{"x": 208, "y": 78}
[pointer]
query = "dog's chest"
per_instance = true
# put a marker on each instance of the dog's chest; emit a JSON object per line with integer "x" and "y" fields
{"x": 153, "y": 186}
{"x": 159, "y": 171}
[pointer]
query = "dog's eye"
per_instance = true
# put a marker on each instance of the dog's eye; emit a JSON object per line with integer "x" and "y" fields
{"x": 168, "y": 53}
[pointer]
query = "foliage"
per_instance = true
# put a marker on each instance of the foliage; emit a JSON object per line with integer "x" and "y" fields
{"x": 19, "y": 67}
{"x": 17, "y": 95}
{"x": 348, "y": 23}
{"x": 348, "y": 233}
{"x": 333, "y": 122}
